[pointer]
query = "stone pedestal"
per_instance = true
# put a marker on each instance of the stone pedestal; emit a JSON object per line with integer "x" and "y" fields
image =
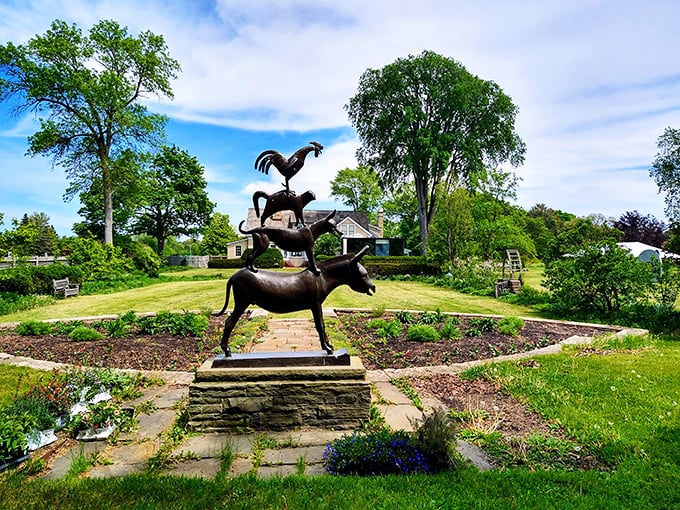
{"x": 226, "y": 395}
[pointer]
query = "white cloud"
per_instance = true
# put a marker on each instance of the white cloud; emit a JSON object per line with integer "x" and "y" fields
{"x": 596, "y": 81}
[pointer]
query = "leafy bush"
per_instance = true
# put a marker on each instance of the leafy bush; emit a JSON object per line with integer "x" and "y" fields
{"x": 98, "y": 261}
{"x": 27, "y": 280}
{"x": 378, "y": 452}
{"x": 386, "y": 329}
{"x": 471, "y": 276}
{"x": 510, "y": 325}
{"x": 392, "y": 266}
{"x": 600, "y": 279}
{"x": 145, "y": 259}
{"x": 36, "y": 408}
{"x": 34, "y": 328}
{"x": 422, "y": 333}
{"x": 85, "y": 334}
{"x": 483, "y": 324}
{"x": 11, "y": 302}
{"x": 180, "y": 324}
{"x": 64, "y": 328}
{"x": 405, "y": 317}
{"x": 119, "y": 327}
{"x": 450, "y": 329}
{"x": 432, "y": 317}
{"x": 223, "y": 263}
{"x": 13, "y": 440}
{"x": 528, "y": 296}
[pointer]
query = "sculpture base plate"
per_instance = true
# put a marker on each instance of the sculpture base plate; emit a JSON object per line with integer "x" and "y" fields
{"x": 283, "y": 359}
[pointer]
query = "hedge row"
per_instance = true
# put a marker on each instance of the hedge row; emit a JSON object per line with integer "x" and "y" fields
{"x": 272, "y": 258}
{"x": 27, "y": 280}
{"x": 392, "y": 266}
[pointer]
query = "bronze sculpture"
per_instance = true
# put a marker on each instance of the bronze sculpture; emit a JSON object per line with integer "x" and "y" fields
{"x": 290, "y": 239}
{"x": 284, "y": 200}
{"x": 287, "y": 167}
{"x": 285, "y": 292}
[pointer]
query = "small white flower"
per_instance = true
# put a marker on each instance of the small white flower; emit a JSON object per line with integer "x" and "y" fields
{"x": 613, "y": 388}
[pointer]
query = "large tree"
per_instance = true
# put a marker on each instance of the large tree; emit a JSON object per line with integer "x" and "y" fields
{"x": 428, "y": 119}
{"x": 645, "y": 229}
{"x": 86, "y": 91}
{"x": 174, "y": 201}
{"x": 217, "y": 235}
{"x": 666, "y": 171}
{"x": 358, "y": 188}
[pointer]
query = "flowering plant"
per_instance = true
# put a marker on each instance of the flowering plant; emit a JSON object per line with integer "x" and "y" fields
{"x": 374, "y": 453}
{"x": 98, "y": 416}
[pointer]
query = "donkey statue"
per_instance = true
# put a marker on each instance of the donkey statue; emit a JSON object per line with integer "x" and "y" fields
{"x": 285, "y": 292}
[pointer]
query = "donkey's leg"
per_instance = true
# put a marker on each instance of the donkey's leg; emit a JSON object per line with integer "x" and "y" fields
{"x": 321, "y": 329}
{"x": 229, "y": 325}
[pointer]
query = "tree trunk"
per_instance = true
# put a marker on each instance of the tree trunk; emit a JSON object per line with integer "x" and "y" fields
{"x": 421, "y": 192}
{"x": 108, "y": 203}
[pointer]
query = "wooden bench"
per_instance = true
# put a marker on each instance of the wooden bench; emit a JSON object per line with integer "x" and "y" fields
{"x": 65, "y": 288}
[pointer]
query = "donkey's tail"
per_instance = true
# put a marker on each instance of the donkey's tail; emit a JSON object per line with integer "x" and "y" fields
{"x": 226, "y": 302}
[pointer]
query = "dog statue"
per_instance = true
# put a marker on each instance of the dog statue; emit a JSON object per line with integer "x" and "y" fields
{"x": 282, "y": 201}
{"x": 290, "y": 239}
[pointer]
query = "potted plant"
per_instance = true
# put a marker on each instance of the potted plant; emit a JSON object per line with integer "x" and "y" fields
{"x": 96, "y": 421}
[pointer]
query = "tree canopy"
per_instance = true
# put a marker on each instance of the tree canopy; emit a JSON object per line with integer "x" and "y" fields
{"x": 217, "y": 235}
{"x": 428, "y": 119}
{"x": 637, "y": 227}
{"x": 358, "y": 188}
{"x": 86, "y": 91}
{"x": 666, "y": 172}
{"x": 174, "y": 201}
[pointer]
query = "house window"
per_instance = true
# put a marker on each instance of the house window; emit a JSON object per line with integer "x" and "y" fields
{"x": 347, "y": 230}
{"x": 238, "y": 250}
{"x": 382, "y": 247}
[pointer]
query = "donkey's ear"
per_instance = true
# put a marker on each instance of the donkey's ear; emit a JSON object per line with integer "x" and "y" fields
{"x": 358, "y": 256}
{"x": 331, "y": 215}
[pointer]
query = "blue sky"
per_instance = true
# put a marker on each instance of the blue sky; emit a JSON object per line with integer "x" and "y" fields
{"x": 596, "y": 83}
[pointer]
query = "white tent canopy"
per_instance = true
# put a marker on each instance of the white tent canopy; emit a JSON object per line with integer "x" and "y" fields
{"x": 645, "y": 252}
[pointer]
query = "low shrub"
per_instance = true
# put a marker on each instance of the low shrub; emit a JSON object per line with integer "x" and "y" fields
{"x": 33, "y": 328}
{"x": 393, "y": 267}
{"x": 386, "y": 329}
{"x": 422, "y": 333}
{"x": 451, "y": 330}
{"x": 510, "y": 325}
{"x": 85, "y": 334}
{"x": 223, "y": 263}
{"x": 272, "y": 258}
{"x": 405, "y": 317}
{"x": 483, "y": 324}
{"x": 180, "y": 324}
{"x": 432, "y": 317}
{"x": 11, "y": 302}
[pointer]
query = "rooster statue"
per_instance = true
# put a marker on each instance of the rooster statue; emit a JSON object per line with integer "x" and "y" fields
{"x": 287, "y": 167}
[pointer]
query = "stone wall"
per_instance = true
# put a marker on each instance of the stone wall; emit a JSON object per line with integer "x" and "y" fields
{"x": 279, "y": 398}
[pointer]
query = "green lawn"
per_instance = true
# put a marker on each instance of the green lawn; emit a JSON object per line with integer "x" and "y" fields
{"x": 210, "y": 294}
